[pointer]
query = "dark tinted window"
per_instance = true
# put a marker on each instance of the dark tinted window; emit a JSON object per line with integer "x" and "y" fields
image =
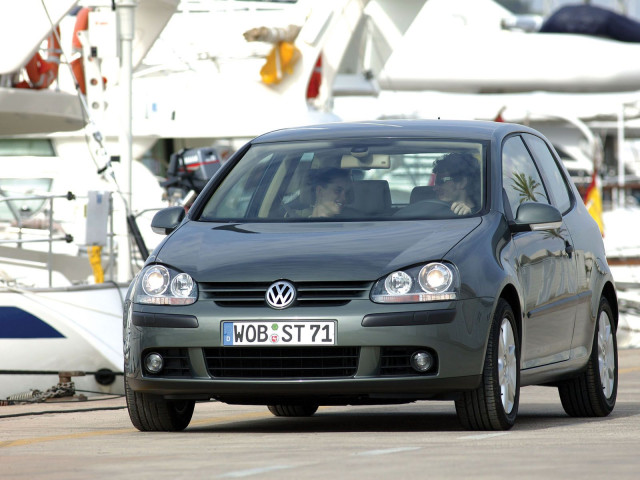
{"x": 554, "y": 179}
{"x": 520, "y": 178}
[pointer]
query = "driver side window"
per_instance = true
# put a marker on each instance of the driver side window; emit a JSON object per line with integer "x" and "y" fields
{"x": 520, "y": 178}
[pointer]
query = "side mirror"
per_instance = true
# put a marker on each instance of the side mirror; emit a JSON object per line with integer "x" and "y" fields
{"x": 167, "y": 220}
{"x": 536, "y": 216}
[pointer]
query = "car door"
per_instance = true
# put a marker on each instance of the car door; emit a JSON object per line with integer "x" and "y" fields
{"x": 564, "y": 198}
{"x": 545, "y": 265}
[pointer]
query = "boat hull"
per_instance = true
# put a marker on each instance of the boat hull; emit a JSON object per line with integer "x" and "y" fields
{"x": 74, "y": 329}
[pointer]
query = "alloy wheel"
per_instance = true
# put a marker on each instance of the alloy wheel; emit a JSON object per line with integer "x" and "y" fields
{"x": 507, "y": 366}
{"x": 606, "y": 356}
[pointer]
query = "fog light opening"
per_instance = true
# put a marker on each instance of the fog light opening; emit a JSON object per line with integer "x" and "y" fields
{"x": 153, "y": 362}
{"x": 421, "y": 361}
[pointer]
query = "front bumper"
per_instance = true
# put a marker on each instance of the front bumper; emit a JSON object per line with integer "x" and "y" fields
{"x": 455, "y": 332}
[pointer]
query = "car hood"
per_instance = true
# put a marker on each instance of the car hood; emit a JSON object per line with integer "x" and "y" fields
{"x": 261, "y": 252}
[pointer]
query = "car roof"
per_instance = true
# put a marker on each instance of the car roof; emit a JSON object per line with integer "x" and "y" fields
{"x": 413, "y": 128}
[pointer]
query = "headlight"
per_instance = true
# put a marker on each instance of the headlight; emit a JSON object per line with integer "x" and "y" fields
{"x": 435, "y": 278}
{"x": 432, "y": 282}
{"x": 398, "y": 283}
{"x": 159, "y": 285}
{"x": 155, "y": 280}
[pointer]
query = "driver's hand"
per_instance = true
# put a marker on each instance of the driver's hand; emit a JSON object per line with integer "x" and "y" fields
{"x": 460, "y": 208}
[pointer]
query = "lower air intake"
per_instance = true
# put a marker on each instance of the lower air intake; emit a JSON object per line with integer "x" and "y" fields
{"x": 282, "y": 362}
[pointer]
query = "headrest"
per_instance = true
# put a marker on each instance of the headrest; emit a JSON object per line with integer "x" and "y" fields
{"x": 422, "y": 193}
{"x": 372, "y": 197}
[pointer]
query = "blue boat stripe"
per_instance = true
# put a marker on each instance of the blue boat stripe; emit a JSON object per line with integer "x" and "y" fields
{"x": 17, "y": 323}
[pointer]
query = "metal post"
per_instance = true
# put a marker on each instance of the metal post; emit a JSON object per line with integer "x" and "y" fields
{"x": 50, "y": 253}
{"x": 125, "y": 13}
{"x": 125, "y": 9}
{"x": 621, "y": 183}
{"x": 112, "y": 239}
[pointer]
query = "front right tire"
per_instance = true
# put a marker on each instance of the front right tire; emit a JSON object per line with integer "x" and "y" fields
{"x": 152, "y": 413}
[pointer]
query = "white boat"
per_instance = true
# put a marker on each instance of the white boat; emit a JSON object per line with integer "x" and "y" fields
{"x": 465, "y": 46}
{"x": 194, "y": 79}
{"x": 49, "y": 331}
{"x": 56, "y": 315}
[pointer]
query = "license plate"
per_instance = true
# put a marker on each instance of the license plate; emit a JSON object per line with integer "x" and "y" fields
{"x": 279, "y": 333}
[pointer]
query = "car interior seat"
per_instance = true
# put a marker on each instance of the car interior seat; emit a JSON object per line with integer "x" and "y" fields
{"x": 422, "y": 192}
{"x": 372, "y": 197}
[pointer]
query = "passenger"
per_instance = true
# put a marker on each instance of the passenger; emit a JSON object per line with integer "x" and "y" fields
{"x": 457, "y": 182}
{"x": 331, "y": 187}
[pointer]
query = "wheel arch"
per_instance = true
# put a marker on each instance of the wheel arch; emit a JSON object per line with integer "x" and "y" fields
{"x": 510, "y": 294}
{"x": 609, "y": 292}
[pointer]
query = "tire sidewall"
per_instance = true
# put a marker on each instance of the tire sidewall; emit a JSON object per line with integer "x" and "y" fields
{"x": 606, "y": 403}
{"x": 503, "y": 311}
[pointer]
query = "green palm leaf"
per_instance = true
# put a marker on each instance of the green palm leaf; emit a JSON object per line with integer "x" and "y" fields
{"x": 526, "y": 187}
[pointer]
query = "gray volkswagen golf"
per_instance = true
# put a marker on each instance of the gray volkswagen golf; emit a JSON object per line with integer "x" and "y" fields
{"x": 374, "y": 263}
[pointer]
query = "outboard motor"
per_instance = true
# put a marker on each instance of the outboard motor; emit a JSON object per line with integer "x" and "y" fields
{"x": 190, "y": 169}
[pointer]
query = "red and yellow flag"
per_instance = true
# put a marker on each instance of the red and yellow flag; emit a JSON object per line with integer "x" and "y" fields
{"x": 593, "y": 201}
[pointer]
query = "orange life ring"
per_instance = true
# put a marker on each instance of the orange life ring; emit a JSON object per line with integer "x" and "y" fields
{"x": 82, "y": 23}
{"x": 42, "y": 73}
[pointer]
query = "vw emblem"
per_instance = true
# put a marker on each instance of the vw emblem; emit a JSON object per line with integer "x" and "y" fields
{"x": 280, "y": 295}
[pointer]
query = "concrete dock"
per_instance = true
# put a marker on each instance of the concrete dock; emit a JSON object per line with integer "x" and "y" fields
{"x": 95, "y": 440}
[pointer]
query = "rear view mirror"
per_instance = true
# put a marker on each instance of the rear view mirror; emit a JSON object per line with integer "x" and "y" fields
{"x": 536, "y": 216}
{"x": 167, "y": 220}
{"x": 366, "y": 161}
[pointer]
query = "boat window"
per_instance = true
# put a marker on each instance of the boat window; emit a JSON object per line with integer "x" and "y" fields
{"x": 23, "y": 147}
{"x": 26, "y": 204}
{"x": 352, "y": 180}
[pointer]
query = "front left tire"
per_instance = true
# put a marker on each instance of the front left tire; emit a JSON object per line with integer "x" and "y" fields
{"x": 494, "y": 404}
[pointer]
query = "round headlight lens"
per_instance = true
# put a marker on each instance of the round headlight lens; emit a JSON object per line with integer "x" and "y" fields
{"x": 398, "y": 283}
{"x": 155, "y": 280}
{"x": 182, "y": 285}
{"x": 435, "y": 278}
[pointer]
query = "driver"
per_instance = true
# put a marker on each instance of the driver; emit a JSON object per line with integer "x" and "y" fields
{"x": 457, "y": 182}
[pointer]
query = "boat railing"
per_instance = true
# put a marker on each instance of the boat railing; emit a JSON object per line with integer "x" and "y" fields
{"x": 49, "y": 226}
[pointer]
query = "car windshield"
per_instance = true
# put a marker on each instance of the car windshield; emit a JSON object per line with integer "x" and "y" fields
{"x": 352, "y": 180}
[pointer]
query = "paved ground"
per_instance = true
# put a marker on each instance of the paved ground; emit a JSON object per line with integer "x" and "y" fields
{"x": 95, "y": 440}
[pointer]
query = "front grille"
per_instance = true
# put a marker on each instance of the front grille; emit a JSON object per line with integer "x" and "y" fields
{"x": 282, "y": 362}
{"x": 396, "y": 361}
{"x": 176, "y": 362}
{"x": 309, "y": 294}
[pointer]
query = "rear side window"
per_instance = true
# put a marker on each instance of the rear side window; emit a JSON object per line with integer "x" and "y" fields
{"x": 520, "y": 178}
{"x": 555, "y": 181}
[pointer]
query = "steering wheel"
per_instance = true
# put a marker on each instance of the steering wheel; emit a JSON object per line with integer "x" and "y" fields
{"x": 426, "y": 208}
